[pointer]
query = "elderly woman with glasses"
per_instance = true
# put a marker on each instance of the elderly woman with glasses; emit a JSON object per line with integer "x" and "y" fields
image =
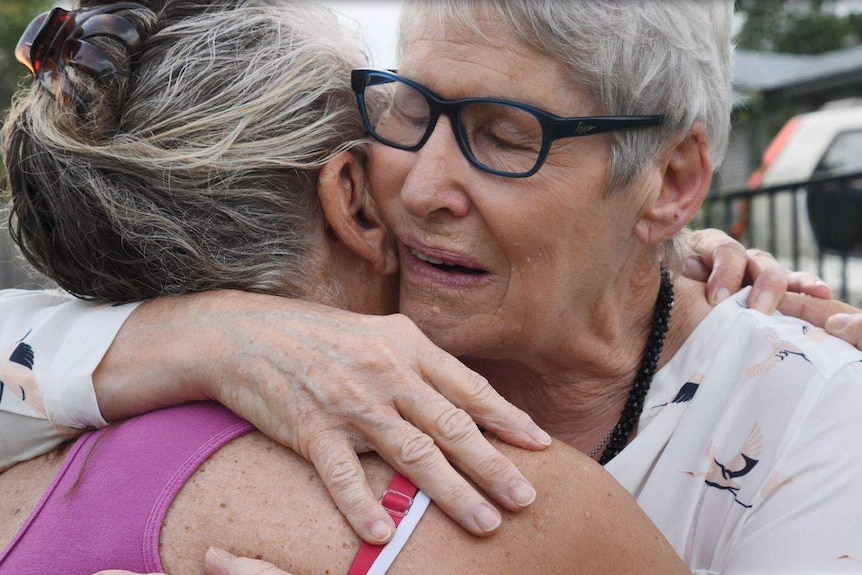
{"x": 536, "y": 162}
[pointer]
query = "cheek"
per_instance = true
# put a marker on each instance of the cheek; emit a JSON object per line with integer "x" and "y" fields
{"x": 386, "y": 174}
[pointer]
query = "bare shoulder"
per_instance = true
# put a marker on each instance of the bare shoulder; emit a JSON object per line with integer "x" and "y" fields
{"x": 257, "y": 499}
{"x": 21, "y": 487}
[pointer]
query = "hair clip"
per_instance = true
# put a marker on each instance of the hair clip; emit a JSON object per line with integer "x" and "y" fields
{"x": 60, "y": 38}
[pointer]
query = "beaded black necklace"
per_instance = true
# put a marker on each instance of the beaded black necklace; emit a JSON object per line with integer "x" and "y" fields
{"x": 618, "y": 437}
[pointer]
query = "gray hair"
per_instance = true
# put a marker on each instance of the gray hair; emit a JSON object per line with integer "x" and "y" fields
{"x": 195, "y": 166}
{"x": 670, "y": 57}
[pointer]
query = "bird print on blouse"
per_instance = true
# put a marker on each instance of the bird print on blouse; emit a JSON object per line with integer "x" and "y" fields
{"x": 17, "y": 381}
{"x": 815, "y": 334}
{"x": 780, "y": 351}
{"x": 686, "y": 392}
{"x": 723, "y": 475}
{"x": 774, "y": 482}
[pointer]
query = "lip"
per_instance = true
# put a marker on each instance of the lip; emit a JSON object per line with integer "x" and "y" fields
{"x": 417, "y": 270}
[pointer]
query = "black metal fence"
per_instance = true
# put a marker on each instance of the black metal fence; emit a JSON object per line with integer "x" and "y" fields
{"x": 813, "y": 226}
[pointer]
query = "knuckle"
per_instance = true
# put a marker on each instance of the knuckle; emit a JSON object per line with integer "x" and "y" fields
{"x": 456, "y": 493}
{"x": 495, "y": 467}
{"x": 403, "y": 323}
{"x": 760, "y": 256}
{"x": 728, "y": 244}
{"x": 478, "y": 389}
{"x": 341, "y": 475}
{"x": 418, "y": 450}
{"x": 454, "y": 425}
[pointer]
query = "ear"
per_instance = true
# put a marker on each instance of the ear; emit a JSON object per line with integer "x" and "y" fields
{"x": 685, "y": 170}
{"x": 350, "y": 215}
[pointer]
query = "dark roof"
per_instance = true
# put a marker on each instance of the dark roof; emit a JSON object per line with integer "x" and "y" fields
{"x": 768, "y": 72}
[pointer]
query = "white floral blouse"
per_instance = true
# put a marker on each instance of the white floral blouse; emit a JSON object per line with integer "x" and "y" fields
{"x": 50, "y": 343}
{"x": 749, "y": 451}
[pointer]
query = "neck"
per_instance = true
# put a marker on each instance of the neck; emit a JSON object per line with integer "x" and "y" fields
{"x": 579, "y": 394}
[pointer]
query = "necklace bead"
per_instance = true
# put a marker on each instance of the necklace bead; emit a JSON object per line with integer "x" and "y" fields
{"x": 618, "y": 437}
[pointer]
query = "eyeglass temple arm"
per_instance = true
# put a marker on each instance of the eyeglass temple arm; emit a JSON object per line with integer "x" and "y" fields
{"x": 573, "y": 127}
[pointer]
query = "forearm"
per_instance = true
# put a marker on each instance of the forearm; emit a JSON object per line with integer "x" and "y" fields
{"x": 308, "y": 376}
{"x": 161, "y": 357}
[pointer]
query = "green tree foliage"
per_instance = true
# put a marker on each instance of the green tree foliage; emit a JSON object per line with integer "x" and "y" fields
{"x": 14, "y": 17}
{"x": 797, "y": 26}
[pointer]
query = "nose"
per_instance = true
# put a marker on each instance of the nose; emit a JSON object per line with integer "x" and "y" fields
{"x": 436, "y": 185}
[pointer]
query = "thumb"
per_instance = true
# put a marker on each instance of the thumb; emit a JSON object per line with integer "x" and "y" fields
{"x": 220, "y": 562}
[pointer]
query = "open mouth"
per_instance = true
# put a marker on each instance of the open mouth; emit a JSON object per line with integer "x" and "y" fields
{"x": 446, "y": 266}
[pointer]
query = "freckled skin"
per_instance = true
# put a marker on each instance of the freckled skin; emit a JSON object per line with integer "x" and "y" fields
{"x": 277, "y": 515}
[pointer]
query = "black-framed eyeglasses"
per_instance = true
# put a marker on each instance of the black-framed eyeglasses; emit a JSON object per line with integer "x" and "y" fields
{"x": 497, "y": 136}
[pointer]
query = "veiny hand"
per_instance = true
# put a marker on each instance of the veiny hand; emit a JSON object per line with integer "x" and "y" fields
{"x": 329, "y": 383}
{"x": 725, "y": 265}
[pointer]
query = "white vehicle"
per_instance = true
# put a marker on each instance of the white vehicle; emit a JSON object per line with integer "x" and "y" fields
{"x": 812, "y": 146}
{"x": 827, "y": 142}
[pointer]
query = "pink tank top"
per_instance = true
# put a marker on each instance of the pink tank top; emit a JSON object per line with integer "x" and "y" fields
{"x": 106, "y": 505}
{"x": 131, "y": 474}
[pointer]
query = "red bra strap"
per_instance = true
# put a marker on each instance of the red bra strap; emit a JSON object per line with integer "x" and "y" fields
{"x": 397, "y": 501}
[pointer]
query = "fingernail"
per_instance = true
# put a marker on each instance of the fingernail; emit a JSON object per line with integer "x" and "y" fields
{"x": 381, "y": 531}
{"x": 220, "y": 555}
{"x": 521, "y": 492}
{"x": 487, "y": 518}
{"x": 765, "y": 302}
{"x": 839, "y": 322}
{"x": 720, "y": 295}
{"x": 539, "y": 435}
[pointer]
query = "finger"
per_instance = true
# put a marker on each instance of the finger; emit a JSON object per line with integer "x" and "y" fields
{"x": 220, "y": 562}
{"x": 726, "y": 258}
{"x": 457, "y": 435}
{"x": 813, "y": 310}
{"x": 769, "y": 281}
{"x": 414, "y": 455}
{"x": 809, "y": 284}
{"x": 693, "y": 268}
{"x": 342, "y": 474}
{"x": 846, "y": 326}
{"x": 469, "y": 391}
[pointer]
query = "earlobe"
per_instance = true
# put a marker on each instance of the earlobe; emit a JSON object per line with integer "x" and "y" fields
{"x": 686, "y": 174}
{"x": 350, "y": 216}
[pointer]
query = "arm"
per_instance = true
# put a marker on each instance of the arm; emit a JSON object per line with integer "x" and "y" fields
{"x": 327, "y": 383}
{"x": 51, "y": 343}
{"x": 237, "y": 349}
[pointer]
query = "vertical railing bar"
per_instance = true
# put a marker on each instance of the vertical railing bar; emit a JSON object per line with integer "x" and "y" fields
{"x": 844, "y": 287}
{"x": 728, "y": 214}
{"x": 820, "y": 263}
{"x": 794, "y": 197}
{"x": 772, "y": 224}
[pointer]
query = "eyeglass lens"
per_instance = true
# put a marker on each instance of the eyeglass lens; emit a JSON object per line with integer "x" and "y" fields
{"x": 500, "y": 137}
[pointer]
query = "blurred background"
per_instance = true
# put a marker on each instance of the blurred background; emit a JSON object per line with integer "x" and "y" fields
{"x": 792, "y": 181}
